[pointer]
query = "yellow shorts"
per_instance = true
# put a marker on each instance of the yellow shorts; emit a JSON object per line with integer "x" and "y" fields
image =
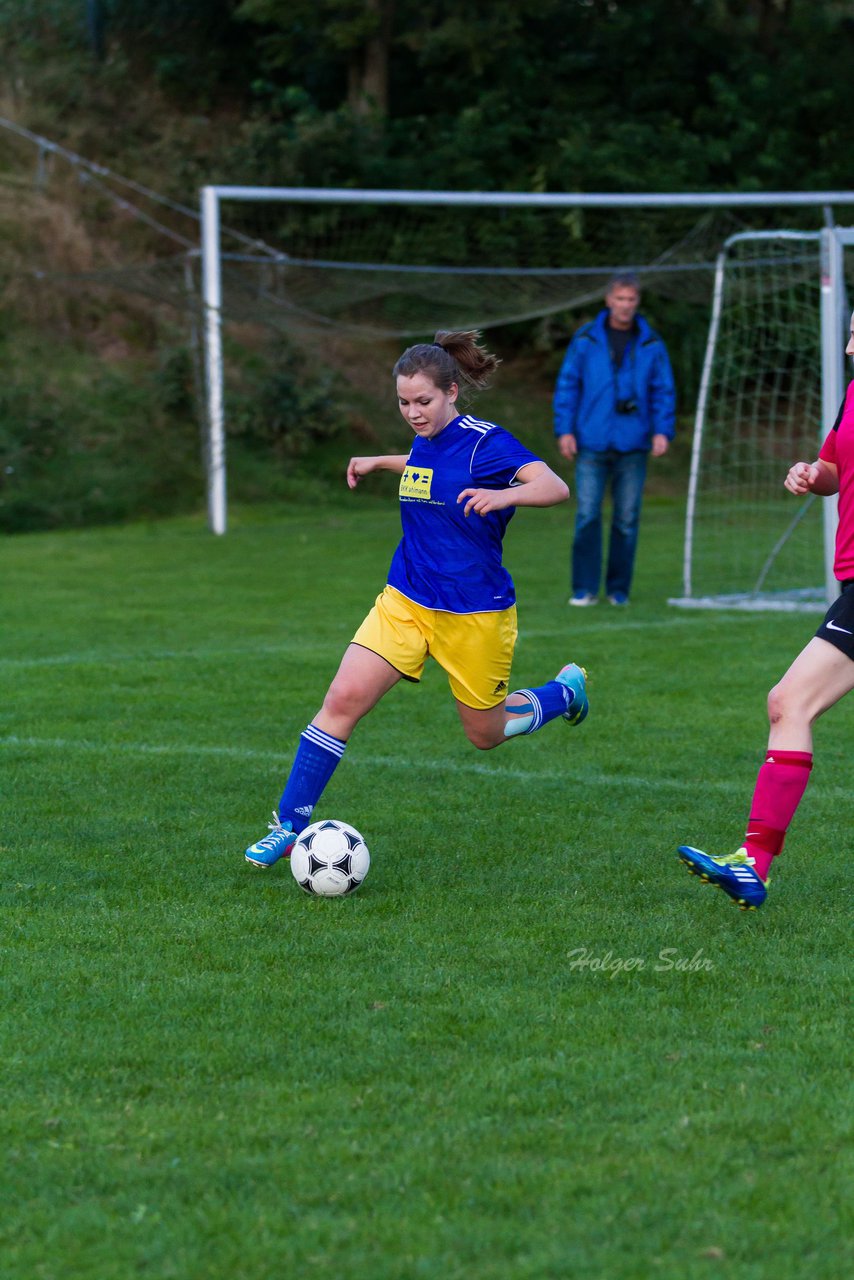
{"x": 475, "y": 649}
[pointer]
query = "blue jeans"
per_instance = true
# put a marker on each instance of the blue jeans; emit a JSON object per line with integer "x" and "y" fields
{"x": 627, "y": 474}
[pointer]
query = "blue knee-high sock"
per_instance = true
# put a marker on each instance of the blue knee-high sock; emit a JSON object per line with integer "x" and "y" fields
{"x": 541, "y": 705}
{"x": 317, "y": 756}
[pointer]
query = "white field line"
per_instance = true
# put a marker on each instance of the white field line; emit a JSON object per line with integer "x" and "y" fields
{"x": 618, "y": 624}
{"x": 95, "y": 657}
{"x": 587, "y": 778}
{"x": 562, "y": 776}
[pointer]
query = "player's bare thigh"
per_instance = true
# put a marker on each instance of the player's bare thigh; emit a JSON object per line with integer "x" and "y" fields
{"x": 820, "y": 675}
{"x": 361, "y": 680}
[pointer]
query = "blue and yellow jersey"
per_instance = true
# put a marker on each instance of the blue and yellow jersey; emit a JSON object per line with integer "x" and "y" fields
{"x": 446, "y": 560}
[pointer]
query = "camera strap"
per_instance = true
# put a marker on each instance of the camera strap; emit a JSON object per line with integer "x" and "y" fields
{"x": 617, "y": 348}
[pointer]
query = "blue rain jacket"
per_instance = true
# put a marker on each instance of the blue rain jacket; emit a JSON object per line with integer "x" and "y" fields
{"x": 588, "y": 388}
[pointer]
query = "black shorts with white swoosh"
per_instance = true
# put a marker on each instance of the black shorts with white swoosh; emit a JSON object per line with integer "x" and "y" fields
{"x": 838, "y": 625}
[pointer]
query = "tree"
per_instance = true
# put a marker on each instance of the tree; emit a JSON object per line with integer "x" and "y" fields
{"x": 353, "y": 36}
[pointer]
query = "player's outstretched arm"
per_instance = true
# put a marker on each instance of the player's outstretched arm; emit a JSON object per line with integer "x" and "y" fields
{"x": 812, "y": 477}
{"x": 358, "y": 468}
{"x": 536, "y": 486}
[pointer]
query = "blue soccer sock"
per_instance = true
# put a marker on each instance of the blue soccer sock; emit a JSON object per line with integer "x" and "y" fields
{"x": 315, "y": 762}
{"x": 545, "y": 703}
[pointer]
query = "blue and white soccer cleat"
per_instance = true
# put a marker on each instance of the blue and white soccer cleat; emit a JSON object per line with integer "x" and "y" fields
{"x": 574, "y": 678}
{"x": 735, "y": 875}
{"x": 270, "y": 848}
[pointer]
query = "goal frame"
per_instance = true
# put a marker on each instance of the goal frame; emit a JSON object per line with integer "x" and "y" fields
{"x": 213, "y": 197}
{"x": 833, "y": 320}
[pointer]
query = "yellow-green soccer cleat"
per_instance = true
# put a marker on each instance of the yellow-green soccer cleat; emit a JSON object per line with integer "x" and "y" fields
{"x": 574, "y": 678}
{"x": 735, "y": 875}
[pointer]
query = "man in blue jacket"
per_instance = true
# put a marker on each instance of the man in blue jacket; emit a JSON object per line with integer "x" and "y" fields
{"x": 614, "y": 404}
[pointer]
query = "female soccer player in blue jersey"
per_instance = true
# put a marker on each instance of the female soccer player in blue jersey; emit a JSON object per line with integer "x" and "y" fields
{"x": 448, "y": 595}
{"x": 819, "y": 677}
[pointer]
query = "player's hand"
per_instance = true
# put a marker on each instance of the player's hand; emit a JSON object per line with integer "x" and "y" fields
{"x": 567, "y": 446}
{"x": 482, "y": 501}
{"x": 357, "y": 468}
{"x": 660, "y": 444}
{"x": 801, "y": 478}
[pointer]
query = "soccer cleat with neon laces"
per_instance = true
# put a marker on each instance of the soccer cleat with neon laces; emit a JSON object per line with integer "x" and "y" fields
{"x": 735, "y": 875}
{"x": 270, "y": 848}
{"x": 574, "y": 678}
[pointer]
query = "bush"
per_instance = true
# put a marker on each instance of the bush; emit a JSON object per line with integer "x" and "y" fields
{"x": 282, "y": 404}
{"x": 83, "y": 443}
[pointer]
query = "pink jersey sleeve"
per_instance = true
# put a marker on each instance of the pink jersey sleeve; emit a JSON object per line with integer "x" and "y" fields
{"x": 827, "y": 452}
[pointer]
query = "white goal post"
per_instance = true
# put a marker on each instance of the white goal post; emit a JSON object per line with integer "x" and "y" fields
{"x": 212, "y": 198}
{"x": 779, "y": 319}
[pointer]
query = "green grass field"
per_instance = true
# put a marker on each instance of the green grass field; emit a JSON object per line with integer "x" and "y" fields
{"x": 531, "y": 1046}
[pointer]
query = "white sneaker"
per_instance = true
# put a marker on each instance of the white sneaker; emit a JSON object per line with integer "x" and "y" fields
{"x": 582, "y": 599}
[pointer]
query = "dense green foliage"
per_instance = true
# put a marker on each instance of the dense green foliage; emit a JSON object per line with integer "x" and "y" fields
{"x": 509, "y": 94}
{"x": 207, "y": 1074}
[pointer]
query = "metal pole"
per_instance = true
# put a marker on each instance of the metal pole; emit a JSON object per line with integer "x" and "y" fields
{"x": 544, "y": 200}
{"x": 699, "y": 422}
{"x": 832, "y": 377}
{"x": 212, "y": 295}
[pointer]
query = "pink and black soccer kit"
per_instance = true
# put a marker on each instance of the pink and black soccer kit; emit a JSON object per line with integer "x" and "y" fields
{"x": 784, "y": 776}
{"x": 838, "y": 624}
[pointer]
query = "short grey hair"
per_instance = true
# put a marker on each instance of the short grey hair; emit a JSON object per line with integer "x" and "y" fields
{"x": 624, "y": 280}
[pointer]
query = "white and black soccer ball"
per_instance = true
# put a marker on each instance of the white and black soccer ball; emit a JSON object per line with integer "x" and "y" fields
{"x": 330, "y": 858}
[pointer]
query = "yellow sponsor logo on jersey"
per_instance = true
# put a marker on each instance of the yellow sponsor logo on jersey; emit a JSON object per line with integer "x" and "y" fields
{"x": 415, "y": 482}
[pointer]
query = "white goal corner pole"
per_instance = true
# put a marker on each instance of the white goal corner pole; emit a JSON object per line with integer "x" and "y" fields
{"x": 833, "y": 331}
{"x": 699, "y": 424}
{"x": 214, "y": 375}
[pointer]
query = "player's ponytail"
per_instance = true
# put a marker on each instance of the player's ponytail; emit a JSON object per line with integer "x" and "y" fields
{"x": 475, "y": 363}
{"x": 452, "y": 357}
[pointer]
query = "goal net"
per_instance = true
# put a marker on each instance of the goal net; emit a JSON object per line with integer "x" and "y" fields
{"x": 348, "y": 276}
{"x": 762, "y": 406}
{"x": 376, "y": 271}
{"x": 337, "y": 271}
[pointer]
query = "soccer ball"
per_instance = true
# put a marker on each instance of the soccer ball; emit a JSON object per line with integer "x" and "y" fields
{"x": 329, "y": 858}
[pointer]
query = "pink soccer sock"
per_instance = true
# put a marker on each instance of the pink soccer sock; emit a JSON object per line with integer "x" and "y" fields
{"x": 780, "y": 786}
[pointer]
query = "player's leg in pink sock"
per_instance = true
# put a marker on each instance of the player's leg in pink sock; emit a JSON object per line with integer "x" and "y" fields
{"x": 780, "y": 786}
